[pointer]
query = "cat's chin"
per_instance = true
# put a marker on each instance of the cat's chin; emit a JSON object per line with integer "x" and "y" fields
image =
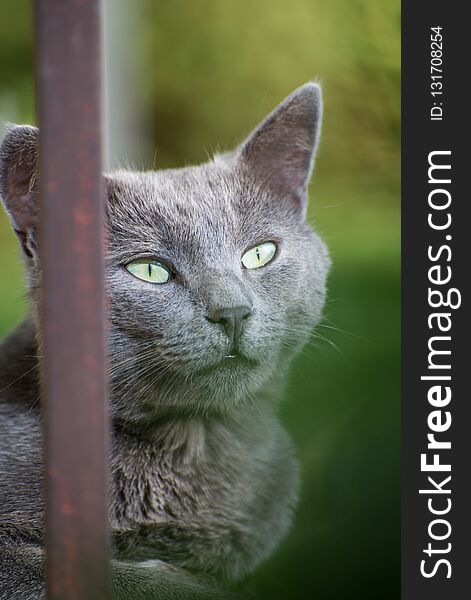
{"x": 231, "y": 382}
{"x": 215, "y": 389}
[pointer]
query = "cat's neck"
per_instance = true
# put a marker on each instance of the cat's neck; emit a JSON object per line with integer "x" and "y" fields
{"x": 200, "y": 460}
{"x": 192, "y": 438}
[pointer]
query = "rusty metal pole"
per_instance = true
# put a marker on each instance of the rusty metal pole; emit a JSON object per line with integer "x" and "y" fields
{"x": 68, "y": 34}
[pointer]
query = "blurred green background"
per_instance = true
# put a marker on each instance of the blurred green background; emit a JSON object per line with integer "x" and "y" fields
{"x": 188, "y": 78}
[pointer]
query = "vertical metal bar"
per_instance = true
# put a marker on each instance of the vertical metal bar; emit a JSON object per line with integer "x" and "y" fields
{"x": 68, "y": 75}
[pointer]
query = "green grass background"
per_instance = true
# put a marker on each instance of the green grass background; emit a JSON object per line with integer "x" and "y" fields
{"x": 203, "y": 74}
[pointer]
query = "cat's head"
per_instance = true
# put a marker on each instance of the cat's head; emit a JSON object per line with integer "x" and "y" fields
{"x": 214, "y": 277}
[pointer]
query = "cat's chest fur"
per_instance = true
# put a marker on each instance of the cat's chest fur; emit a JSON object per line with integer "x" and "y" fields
{"x": 207, "y": 496}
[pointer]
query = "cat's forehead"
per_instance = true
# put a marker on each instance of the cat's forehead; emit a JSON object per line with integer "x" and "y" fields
{"x": 193, "y": 191}
{"x": 206, "y": 201}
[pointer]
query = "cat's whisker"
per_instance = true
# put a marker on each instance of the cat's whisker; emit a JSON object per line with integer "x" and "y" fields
{"x": 35, "y": 403}
{"x": 135, "y": 361}
{"x": 157, "y": 372}
{"x": 344, "y": 331}
{"x": 317, "y": 335}
{"x": 18, "y": 378}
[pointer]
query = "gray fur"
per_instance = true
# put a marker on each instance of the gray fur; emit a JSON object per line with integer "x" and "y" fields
{"x": 204, "y": 479}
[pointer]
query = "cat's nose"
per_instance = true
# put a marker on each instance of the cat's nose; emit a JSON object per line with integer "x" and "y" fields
{"x": 232, "y": 319}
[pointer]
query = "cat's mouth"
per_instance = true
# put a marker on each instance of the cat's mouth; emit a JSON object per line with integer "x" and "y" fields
{"x": 232, "y": 360}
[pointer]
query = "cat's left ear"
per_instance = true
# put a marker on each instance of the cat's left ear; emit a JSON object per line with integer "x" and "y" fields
{"x": 280, "y": 151}
{"x": 19, "y": 183}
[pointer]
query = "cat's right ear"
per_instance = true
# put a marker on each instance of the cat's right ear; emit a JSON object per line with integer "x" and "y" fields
{"x": 280, "y": 151}
{"x": 19, "y": 183}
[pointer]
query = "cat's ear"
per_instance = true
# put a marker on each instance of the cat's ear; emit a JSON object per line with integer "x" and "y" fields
{"x": 280, "y": 151}
{"x": 19, "y": 183}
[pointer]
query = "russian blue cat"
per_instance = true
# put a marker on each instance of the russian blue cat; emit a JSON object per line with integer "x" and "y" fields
{"x": 215, "y": 281}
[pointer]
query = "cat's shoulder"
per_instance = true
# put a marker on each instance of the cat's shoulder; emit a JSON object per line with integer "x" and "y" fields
{"x": 20, "y": 430}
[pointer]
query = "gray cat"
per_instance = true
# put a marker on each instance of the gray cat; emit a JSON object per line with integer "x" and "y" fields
{"x": 215, "y": 282}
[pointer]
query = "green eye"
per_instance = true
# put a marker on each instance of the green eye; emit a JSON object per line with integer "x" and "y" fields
{"x": 149, "y": 270}
{"x": 259, "y": 255}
